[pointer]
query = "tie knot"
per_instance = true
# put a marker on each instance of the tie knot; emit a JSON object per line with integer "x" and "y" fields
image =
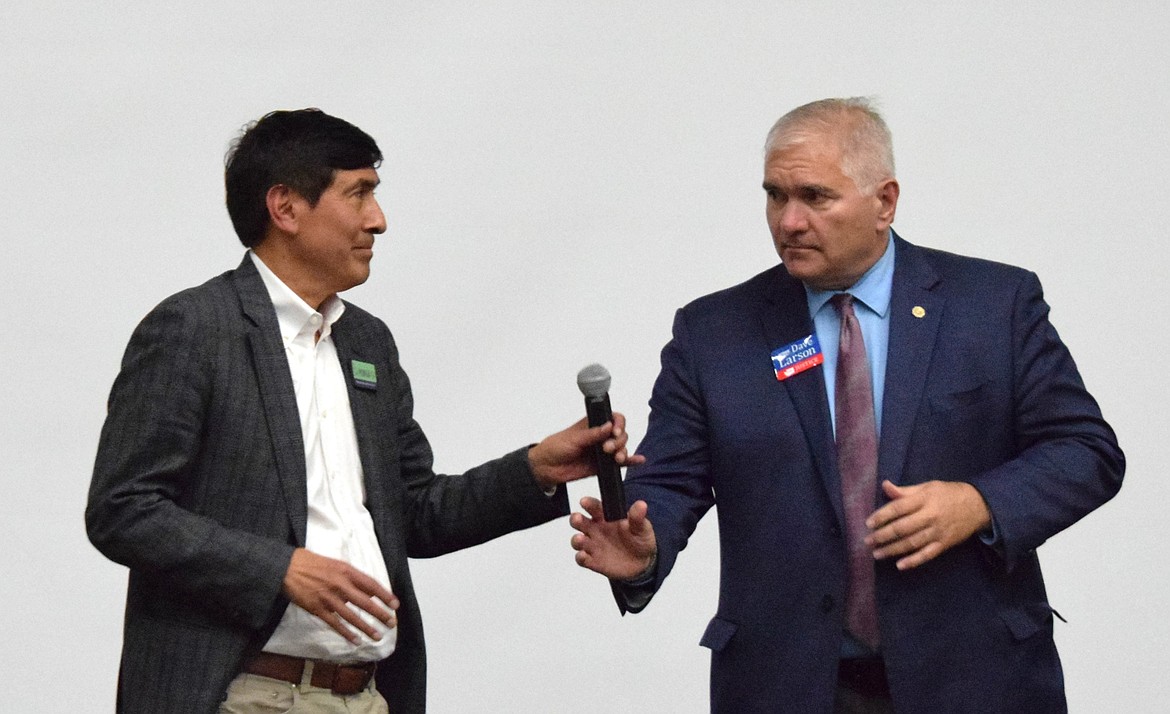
{"x": 843, "y": 302}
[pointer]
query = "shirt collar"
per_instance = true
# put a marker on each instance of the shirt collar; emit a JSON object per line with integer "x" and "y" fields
{"x": 293, "y": 314}
{"x": 872, "y": 289}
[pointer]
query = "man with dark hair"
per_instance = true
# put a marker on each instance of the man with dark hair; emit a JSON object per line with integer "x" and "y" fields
{"x": 889, "y": 433}
{"x": 260, "y": 471}
{"x": 299, "y": 149}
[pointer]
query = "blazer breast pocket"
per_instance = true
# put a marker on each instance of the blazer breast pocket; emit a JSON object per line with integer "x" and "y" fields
{"x": 961, "y": 397}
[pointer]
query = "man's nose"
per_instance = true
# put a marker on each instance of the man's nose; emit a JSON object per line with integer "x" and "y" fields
{"x": 793, "y": 217}
{"x": 376, "y": 220}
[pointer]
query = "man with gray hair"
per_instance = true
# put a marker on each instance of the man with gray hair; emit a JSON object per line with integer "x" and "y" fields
{"x": 889, "y": 432}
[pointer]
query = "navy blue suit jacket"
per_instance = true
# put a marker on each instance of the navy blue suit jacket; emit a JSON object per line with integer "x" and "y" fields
{"x": 979, "y": 388}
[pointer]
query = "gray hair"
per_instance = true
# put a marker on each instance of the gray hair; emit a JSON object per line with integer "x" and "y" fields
{"x": 867, "y": 148}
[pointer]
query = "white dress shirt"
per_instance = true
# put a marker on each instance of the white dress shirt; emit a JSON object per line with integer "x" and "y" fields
{"x": 339, "y": 525}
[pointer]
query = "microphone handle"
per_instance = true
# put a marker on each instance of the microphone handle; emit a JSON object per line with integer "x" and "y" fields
{"x": 609, "y": 475}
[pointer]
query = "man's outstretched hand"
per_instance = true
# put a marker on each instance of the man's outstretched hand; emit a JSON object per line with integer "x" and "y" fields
{"x": 620, "y": 550}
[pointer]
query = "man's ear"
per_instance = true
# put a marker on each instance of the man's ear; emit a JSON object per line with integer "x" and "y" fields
{"x": 887, "y": 196}
{"x": 282, "y": 208}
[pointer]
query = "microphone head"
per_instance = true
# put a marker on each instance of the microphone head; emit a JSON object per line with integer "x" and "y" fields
{"x": 593, "y": 381}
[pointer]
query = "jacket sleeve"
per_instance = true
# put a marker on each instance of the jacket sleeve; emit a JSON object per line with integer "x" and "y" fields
{"x": 445, "y": 513}
{"x": 140, "y": 511}
{"x": 675, "y": 480}
{"x": 1068, "y": 461}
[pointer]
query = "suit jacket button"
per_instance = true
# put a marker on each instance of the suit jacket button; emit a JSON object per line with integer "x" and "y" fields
{"x": 827, "y": 603}
{"x": 835, "y": 532}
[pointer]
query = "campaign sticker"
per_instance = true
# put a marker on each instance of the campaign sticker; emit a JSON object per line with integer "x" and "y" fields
{"x": 797, "y": 357}
{"x": 365, "y": 375}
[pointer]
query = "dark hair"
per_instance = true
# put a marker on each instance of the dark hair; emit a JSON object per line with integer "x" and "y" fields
{"x": 300, "y": 149}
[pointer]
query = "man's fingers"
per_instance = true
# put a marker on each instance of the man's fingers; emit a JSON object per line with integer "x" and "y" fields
{"x": 586, "y": 556}
{"x": 335, "y": 614}
{"x": 907, "y": 544}
{"x": 636, "y": 518}
{"x": 337, "y": 621}
{"x": 891, "y": 512}
{"x": 626, "y": 459}
{"x": 350, "y": 614}
{"x": 577, "y": 522}
{"x": 613, "y": 432}
{"x": 594, "y": 434}
{"x": 893, "y": 531}
{"x": 592, "y": 506}
{"x": 375, "y": 608}
{"x": 339, "y": 594}
{"x": 924, "y": 520}
{"x": 902, "y": 535}
{"x": 925, "y": 555}
{"x": 367, "y": 586}
{"x": 365, "y": 594}
{"x": 341, "y": 613}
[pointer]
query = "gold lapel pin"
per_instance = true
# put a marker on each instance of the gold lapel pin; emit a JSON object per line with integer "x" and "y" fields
{"x": 918, "y": 311}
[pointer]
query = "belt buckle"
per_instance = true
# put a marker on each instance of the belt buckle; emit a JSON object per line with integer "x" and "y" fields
{"x": 344, "y": 680}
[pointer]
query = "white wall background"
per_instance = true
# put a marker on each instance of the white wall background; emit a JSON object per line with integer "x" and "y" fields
{"x": 559, "y": 177}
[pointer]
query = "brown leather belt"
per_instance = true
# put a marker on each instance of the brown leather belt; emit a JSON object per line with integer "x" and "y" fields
{"x": 340, "y": 678}
{"x": 866, "y": 676}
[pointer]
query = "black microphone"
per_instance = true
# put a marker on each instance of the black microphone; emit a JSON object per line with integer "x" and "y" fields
{"x": 593, "y": 381}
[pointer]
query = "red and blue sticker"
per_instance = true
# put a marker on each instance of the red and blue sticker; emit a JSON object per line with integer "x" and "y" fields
{"x": 797, "y": 357}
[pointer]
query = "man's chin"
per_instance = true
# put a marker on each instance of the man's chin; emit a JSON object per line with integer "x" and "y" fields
{"x": 802, "y": 264}
{"x": 357, "y": 278}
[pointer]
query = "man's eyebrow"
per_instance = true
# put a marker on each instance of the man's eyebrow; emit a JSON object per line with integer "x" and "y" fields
{"x": 365, "y": 184}
{"x": 816, "y": 188}
{"x": 804, "y": 189}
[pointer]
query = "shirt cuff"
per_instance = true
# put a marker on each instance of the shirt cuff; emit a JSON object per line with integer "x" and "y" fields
{"x": 990, "y": 537}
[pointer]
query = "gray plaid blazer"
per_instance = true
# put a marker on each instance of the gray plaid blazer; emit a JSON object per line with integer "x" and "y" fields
{"x": 199, "y": 488}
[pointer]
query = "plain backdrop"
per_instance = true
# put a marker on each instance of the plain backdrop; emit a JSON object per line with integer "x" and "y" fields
{"x": 559, "y": 178}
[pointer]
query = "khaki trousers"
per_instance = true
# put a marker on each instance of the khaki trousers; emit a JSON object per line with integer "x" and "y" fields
{"x": 253, "y": 694}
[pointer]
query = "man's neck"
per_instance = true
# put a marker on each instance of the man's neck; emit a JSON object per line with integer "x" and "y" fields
{"x": 284, "y": 268}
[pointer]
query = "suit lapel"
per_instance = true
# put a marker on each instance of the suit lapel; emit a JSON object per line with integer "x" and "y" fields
{"x": 277, "y": 397}
{"x": 915, "y": 314}
{"x": 785, "y": 320}
{"x": 354, "y": 343}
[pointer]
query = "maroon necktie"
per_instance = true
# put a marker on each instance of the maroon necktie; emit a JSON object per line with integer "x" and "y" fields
{"x": 857, "y": 463}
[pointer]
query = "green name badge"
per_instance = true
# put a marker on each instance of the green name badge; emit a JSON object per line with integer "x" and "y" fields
{"x": 365, "y": 376}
